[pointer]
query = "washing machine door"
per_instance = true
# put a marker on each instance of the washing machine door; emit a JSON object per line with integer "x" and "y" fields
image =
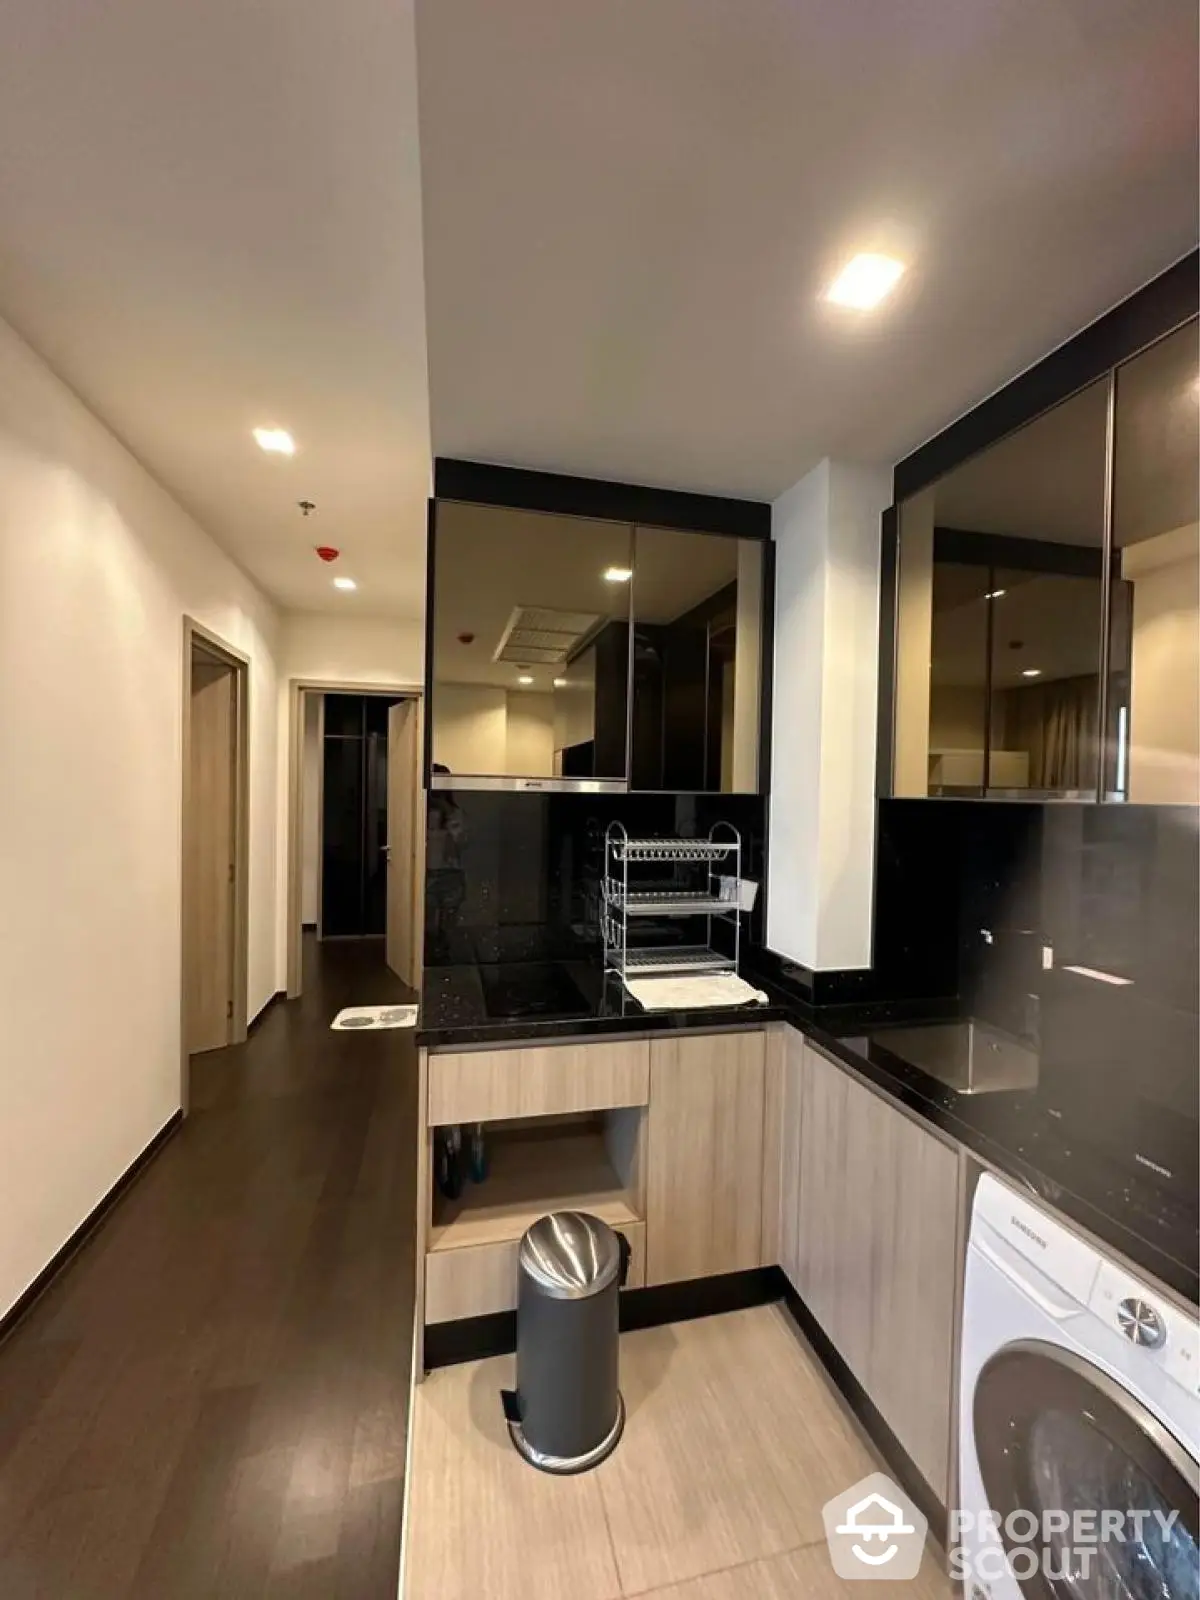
{"x": 1054, "y": 1433}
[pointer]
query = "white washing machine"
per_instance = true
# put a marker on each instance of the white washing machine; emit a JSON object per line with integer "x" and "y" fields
{"x": 1079, "y": 1393}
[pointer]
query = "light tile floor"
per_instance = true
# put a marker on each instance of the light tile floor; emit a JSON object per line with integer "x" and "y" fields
{"x": 735, "y": 1440}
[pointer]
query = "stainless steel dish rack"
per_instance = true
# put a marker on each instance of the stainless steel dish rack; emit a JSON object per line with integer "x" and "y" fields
{"x": 670, "y": 879}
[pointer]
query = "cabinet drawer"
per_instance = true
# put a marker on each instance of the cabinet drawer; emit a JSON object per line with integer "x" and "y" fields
{"x": 480, "y": 1279}
{"x": 491, "y": 1085}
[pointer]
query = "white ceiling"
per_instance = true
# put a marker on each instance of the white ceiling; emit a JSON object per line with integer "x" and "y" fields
{"x": 210, "y": 218}
{"x": 630, "y": 209}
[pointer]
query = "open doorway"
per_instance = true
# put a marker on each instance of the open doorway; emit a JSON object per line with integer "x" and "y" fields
{"x": 214, "y": 845}
{"x": 356, "y": 824}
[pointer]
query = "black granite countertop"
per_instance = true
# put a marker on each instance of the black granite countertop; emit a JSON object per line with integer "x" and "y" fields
{"x": 1023, "y": 1133}
{"x": 459, "y": 1007}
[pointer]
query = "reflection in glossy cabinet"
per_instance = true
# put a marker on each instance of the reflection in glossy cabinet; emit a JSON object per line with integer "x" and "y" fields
{"x": 870, "y": 1238}
{"x": 704, "y": 1169}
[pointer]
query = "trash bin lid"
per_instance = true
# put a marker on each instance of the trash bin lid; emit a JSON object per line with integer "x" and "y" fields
{"x": 570, "y": 1255}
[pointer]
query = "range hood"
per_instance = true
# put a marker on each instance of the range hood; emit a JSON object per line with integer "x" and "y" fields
{"x": 449, "y": 780}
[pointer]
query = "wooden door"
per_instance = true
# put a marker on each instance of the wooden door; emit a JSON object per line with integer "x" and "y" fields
{"x": 406, "y": 842}
{"x": 210, "y": 854}
{"x": 705, "y": 1156}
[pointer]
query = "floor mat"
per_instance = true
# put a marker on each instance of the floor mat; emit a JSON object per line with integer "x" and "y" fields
{"x": 365, "y": 1017}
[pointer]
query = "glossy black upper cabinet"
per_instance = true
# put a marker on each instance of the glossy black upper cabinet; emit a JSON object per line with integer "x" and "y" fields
{"x": 998, "y": 623}
{"x": 572, "y": 651}
{"x": 697, "y": 606}
{"x": 530, "y": 645}
{"x": 1152, "y": 704}
{"x": 1047, "y": 601}
{"x": 1040, "y": 575}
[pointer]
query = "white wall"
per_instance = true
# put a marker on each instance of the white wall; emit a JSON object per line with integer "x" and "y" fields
{"x": 799, "y": 520}
{"x": 97, "y": 568}
{"x": 493, "y": 732}
{"x": 470, "y": 728}
{"x": 529, "y": 739}
{"x": 957, "y": 717}
{"x": 354, "y": 650}
{"x": 1164, "y": 711}
{"x": 575, "y": 706}
{"x": 310, "y": 860}
{"x": 821, "y": 853}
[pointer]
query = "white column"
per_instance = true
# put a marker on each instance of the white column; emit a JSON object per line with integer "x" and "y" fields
{"x": 821, "y": 853}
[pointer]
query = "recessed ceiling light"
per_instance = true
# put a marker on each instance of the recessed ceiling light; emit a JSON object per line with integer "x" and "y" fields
{"x": 344, "y": 583}
{"x": 1032, "y": 672}
{"x": 277, "y": 441}
{"x": 560, "y": 683}
{"x": 618, "y": 574}
{"x": 995, "y": 594}
{"x": 525, "y": 680}
{"x": 865, "y": 281}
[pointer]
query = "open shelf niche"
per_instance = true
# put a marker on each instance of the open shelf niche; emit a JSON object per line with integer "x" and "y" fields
{"x": 589, "y": 1163}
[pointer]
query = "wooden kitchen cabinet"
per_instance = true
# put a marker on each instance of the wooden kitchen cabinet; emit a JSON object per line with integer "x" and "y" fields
{"x": 832, "y": 1266}
{"x": 789, "y": 1108}
{"x": 482, "y": 1279}
{"x": 915, "y": 1243}
{"x": 537, "y": 1081}
{"x": 870, "y": 1236}
{"x": 704, "y": 1168}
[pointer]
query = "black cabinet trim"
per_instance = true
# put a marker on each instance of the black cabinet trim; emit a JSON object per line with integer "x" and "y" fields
{"x": 1002, "y": 550}
{"x": 1164, "y": 304}
{"x": 524, "y": 490}
{"x": 473, "y": 1338}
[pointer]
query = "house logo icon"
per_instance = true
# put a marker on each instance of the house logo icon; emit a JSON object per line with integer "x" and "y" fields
{"x": 875, "y": 1531}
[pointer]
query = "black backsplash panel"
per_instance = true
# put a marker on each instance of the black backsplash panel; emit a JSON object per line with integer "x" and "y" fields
{"x": 1114, "y": 888}
{"x": 970, "y": 895}
{"x": 949, "y": 874}
{"x": 514, "y": 877}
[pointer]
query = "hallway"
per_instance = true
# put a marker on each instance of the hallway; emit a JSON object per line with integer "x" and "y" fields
{"x": 212, "y": 1400}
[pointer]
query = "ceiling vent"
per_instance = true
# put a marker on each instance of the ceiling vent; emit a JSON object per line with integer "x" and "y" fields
{"x": 537, "y": 637}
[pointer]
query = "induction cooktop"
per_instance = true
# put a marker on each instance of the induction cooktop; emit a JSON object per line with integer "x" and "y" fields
{"x": 532, "y": 989}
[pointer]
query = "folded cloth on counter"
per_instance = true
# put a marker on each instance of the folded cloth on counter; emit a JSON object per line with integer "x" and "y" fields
{"x": 693, "y": 991}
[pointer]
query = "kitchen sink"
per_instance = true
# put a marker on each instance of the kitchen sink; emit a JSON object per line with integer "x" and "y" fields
{"x": 971, "y": 1057}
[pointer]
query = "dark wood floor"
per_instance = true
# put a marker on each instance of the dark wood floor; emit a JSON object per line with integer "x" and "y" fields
{"x": 212, "y": 1398}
